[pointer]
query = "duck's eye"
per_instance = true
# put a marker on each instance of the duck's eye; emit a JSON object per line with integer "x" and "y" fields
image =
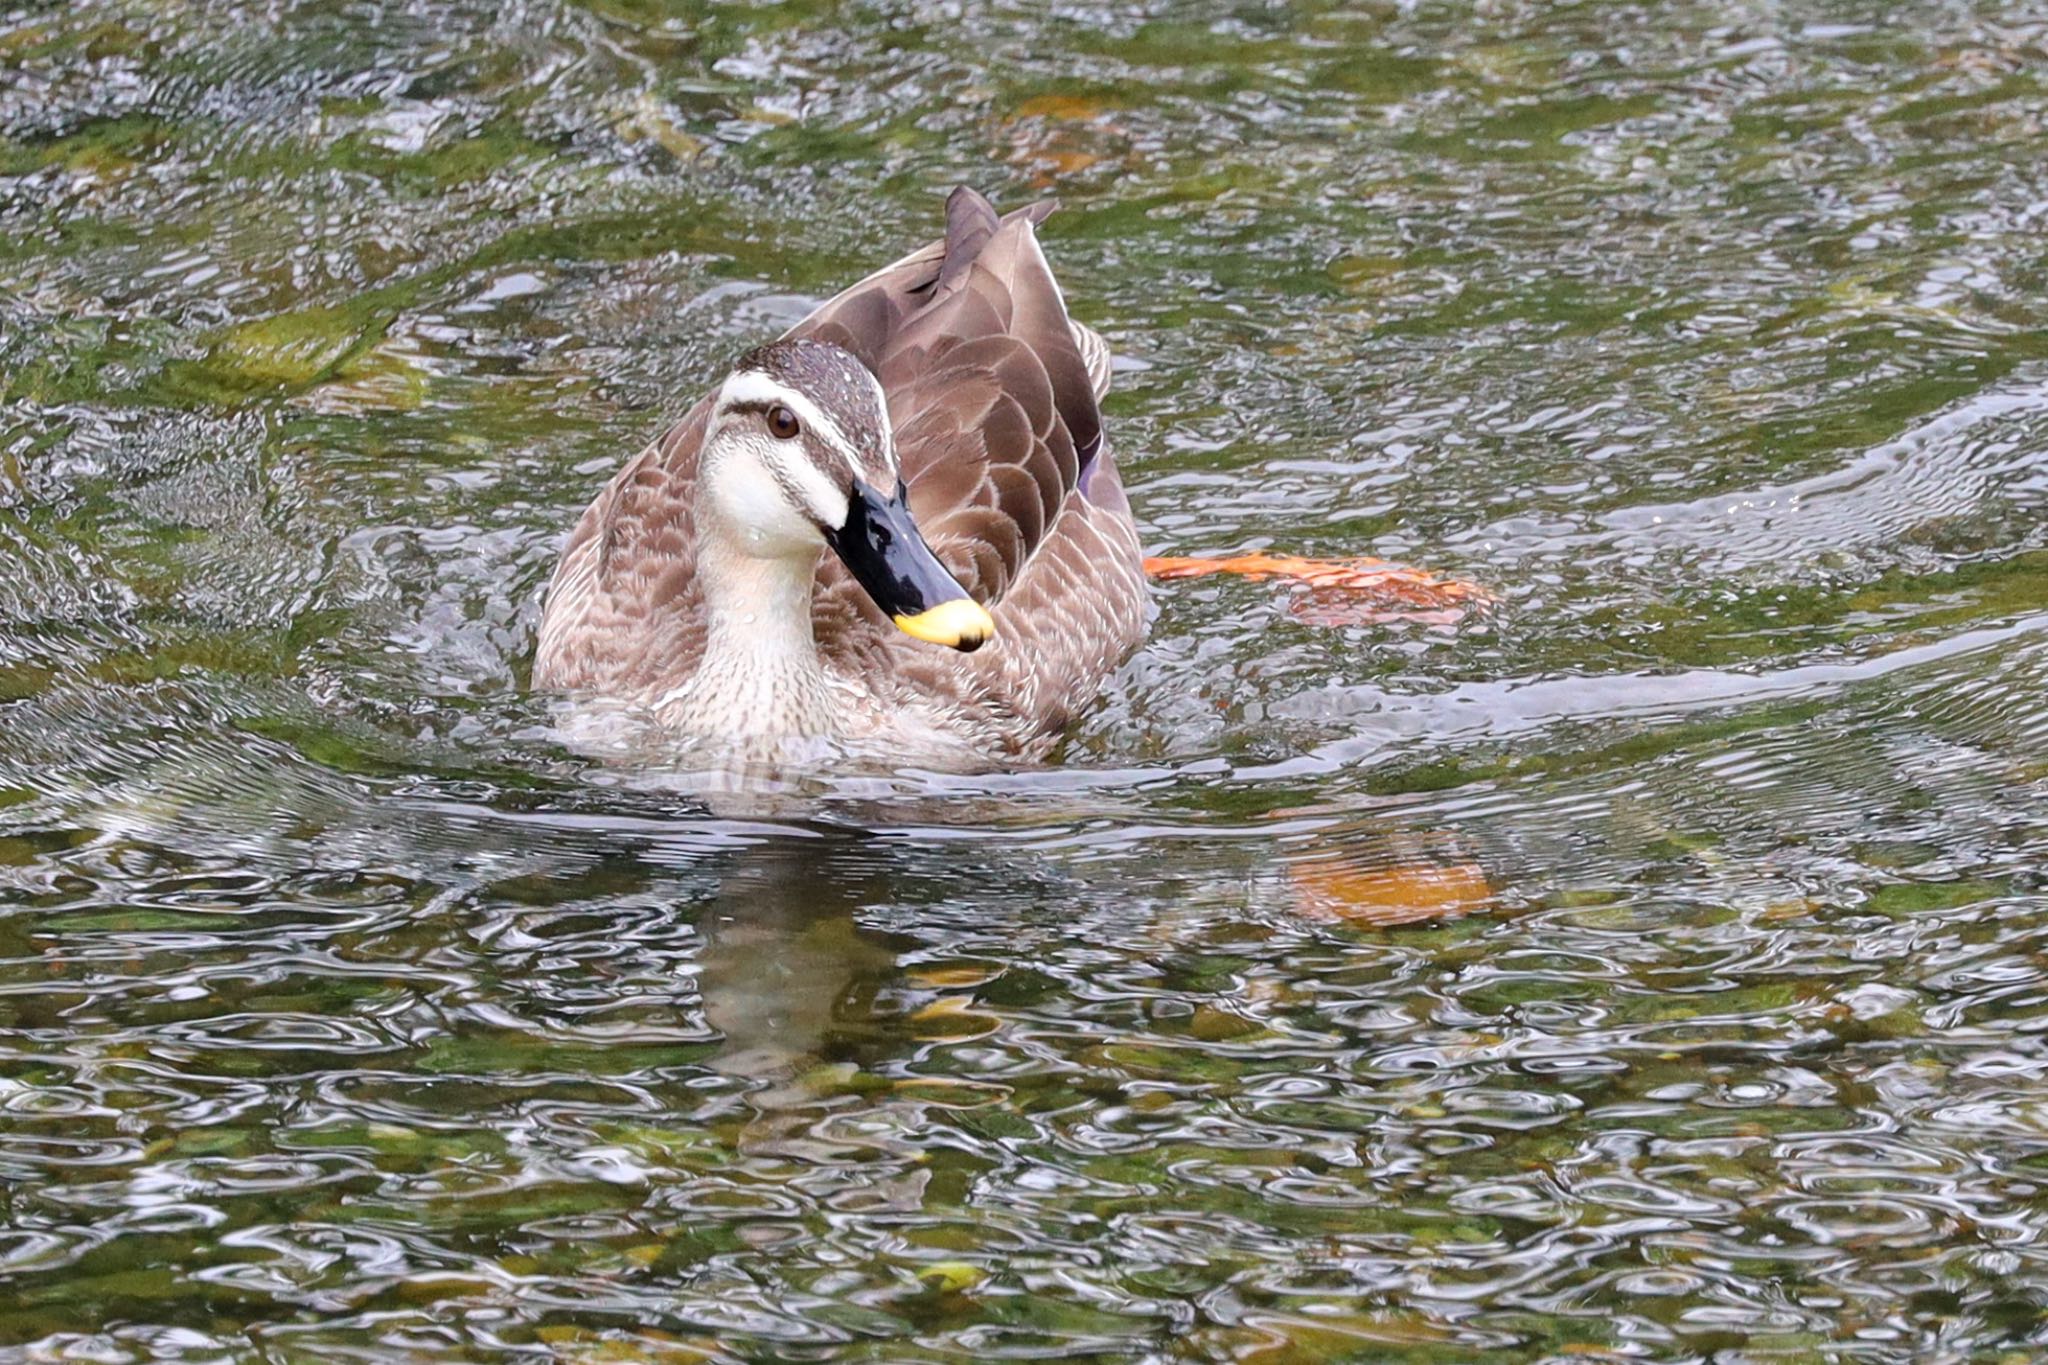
{"x": 782, "y": 424}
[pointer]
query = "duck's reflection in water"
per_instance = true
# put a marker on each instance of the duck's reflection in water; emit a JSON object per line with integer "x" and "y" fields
{"x": 815, "y": 1004}
{"x": 788, "y": 973}
{"x": 796, "y": 973}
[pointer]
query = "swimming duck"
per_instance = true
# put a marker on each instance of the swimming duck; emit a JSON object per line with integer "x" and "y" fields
{"x": 898, "y": 528}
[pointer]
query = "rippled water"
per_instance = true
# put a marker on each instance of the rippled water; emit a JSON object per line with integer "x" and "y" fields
{"x": 1655, "y": 967}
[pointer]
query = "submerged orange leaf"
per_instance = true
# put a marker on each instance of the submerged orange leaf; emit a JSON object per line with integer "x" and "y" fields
{"x": 1060, "y": 136}
{"x": 1361, "y": 591}
{"x": 1059, "y": 161}
{"x": 1070, "y": 108}
{"x": 1405, "y": 893}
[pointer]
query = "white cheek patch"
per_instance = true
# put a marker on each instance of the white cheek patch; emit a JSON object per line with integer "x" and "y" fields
{"x": 748, "y": 497}
{"x": 772, "y": 498}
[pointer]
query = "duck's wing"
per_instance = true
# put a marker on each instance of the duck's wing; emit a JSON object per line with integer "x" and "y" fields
{"x": 992, "y": 402}
{"x": 624, "y": 608}
{"x": 993, "y": 393}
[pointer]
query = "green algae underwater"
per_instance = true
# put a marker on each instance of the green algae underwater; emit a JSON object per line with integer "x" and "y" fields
{"x": 1650, "y": 967}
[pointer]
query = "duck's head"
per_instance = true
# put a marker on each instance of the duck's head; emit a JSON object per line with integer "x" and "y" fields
{"x": 799, "y": 452}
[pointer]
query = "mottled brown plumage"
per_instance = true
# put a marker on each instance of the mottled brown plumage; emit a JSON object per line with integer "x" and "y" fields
{"x": 992, "y": 392}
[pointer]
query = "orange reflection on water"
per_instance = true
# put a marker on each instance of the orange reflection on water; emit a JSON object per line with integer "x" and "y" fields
{"x": 1400, "y": 893}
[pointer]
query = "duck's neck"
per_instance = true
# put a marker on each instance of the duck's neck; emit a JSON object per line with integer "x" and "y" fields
{"x": 759, "y": 674}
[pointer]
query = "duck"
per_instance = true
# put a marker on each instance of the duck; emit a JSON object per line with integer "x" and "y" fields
{"x": 897, "y": 530}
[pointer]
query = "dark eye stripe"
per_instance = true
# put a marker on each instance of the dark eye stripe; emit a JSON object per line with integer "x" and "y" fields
{"x": 826, "y": 455}
{"x": 788, "y": 487}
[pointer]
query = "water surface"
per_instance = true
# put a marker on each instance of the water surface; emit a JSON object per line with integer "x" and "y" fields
{"x": 1651, "y": 968}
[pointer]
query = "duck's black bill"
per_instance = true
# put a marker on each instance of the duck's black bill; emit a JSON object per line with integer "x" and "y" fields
{"x": 887, "y": 555}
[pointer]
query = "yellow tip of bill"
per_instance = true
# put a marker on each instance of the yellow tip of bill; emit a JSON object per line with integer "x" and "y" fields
{"x": 962, "y": 623}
